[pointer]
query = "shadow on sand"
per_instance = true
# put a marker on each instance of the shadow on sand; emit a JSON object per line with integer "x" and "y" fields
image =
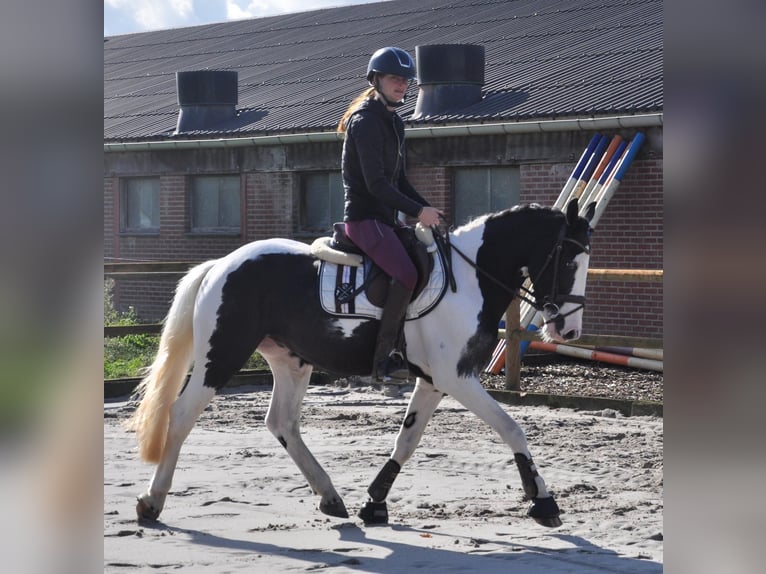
{"x": 485, "y": 556}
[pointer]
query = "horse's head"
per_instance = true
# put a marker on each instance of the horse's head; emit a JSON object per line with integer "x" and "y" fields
{"x": 559, "y": 277}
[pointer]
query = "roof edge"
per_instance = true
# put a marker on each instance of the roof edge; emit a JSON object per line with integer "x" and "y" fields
{"x": 569, "y": 124}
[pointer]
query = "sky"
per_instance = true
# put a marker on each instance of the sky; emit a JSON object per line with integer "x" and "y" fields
{"x": 130, "y": 16}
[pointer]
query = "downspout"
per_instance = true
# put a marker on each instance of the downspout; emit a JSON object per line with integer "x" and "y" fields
{"x": 563, "y": 125}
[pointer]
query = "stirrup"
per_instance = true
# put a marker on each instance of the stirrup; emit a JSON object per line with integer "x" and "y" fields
{"x": 393, "y": 367}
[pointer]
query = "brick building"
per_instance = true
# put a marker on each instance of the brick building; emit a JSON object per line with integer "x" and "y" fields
{"x": 266, "y": 161}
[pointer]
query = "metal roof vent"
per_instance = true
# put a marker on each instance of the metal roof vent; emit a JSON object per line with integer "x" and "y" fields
{"x": 207, "y": 98}
{"x": 450, "y": 77}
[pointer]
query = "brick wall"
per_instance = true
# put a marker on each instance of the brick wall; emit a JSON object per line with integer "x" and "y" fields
{"x": 434, "y": 184}
{"x": 629, "y": 235}
{"x": 269, "y": 205}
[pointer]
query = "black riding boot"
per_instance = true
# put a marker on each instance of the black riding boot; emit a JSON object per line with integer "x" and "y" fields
{"x": 389, "y": 362}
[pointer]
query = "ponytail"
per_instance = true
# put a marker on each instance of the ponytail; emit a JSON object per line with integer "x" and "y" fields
{"x": 366, "y": 95}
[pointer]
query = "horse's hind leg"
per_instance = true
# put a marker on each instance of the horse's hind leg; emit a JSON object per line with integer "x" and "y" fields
{"x": 421, "y": 408}
{"x": 291, "y": 379}
{"x": 475, "y": 398}
{"x": 183, "y": 415}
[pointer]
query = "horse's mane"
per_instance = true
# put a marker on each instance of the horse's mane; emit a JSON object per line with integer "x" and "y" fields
{"x": 482, "y": 219}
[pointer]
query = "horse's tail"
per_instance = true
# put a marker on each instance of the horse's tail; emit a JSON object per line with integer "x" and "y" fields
{"x": 159, "y": 388}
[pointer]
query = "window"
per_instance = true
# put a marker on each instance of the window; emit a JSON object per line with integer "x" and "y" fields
{"x": 321, "y": 202}
{"x": 215, "y": 204}
{"x": 140, "y": 205}
{"x": 484, "y": 190}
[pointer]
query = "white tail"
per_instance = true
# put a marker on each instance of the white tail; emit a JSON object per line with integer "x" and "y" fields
{"x": 159, "y": 389}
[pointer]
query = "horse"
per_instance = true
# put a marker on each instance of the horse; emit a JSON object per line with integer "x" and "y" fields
{"x": 264, "y": 296}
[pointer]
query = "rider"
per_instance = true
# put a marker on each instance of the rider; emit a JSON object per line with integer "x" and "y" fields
{"x": 376, "y": 187}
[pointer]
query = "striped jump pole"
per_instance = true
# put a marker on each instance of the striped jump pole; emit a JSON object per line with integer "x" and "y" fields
{"x": 607, "y": 191}
{"x": 584, "y": 353}
{"x": 603, "y": 171}
{"x": 576, "y": 174}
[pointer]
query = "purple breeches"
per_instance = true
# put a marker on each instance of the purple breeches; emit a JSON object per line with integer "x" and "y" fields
{"x": 379, "y": 241}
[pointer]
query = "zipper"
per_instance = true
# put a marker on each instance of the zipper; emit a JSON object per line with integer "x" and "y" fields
{"x": 398, "y": 150}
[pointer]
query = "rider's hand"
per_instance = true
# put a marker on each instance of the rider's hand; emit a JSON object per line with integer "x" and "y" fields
{"x": 429, "y": 216}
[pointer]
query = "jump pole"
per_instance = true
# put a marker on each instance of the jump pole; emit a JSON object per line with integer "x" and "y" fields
{"x": 584, "y": 353}
{"x": 607, "y": 191}
{"x": 592, "y": 193}
{"x": 654, "y": 354}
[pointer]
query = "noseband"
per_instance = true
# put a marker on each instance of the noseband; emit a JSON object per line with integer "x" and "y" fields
{"x": 551, "y": 303}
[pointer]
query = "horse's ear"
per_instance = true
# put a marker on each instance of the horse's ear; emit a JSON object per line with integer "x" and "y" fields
{"x": 572, "y": 210}
{"x": 590, "y": 211}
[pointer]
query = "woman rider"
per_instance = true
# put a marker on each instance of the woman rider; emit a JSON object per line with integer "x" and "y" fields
{"x": 376, "y": 187}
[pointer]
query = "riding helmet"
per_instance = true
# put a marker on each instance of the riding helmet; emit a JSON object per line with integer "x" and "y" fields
{"x": 391, "y": 60}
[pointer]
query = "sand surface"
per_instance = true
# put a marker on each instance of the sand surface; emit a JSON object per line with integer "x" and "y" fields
{"x": 239, "y": 504}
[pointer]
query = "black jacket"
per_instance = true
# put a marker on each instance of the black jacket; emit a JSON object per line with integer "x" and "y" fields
{"x": 374, "y": 179}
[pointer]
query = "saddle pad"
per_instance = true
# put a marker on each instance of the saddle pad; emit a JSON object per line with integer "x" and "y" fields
{"x": 343, "y": 279}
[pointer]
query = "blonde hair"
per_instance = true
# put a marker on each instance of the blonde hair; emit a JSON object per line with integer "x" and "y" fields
{"x": 368, "y": 94}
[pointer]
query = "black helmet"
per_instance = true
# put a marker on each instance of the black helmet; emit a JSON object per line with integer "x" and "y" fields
{"x": 391, "y": 60}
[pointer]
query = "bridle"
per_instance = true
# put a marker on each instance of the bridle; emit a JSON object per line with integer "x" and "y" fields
{"x": 552, "y": 303}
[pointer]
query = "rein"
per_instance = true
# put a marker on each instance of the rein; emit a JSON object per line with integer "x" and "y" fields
{"x": 552, "y": 302}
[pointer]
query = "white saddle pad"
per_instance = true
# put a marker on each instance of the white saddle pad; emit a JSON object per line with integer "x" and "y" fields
{"x": 334, "y": 278}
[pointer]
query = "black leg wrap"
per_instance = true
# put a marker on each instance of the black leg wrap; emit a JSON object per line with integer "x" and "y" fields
{"x": 545, "y": 511}
{"x": 527, "y": 473}
{"x": 379, "y": 488}
{"x": 374, "y": 512}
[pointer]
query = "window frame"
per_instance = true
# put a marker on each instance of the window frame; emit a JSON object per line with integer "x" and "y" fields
{"x": 219, "y": 229}
{"x": 125, "y": 193}
{"x": 332, "y": 215}
{"x": 489, "y": 190}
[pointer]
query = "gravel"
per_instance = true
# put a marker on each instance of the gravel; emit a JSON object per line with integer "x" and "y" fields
{"x": 557, "y": 375}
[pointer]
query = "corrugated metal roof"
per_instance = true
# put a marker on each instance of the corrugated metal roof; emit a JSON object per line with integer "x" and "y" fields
{"x": 545, "y": 59}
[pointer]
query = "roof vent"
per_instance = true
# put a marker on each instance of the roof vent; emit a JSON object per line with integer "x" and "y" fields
{"x": 450, "y": 77}
{"x": 207, "y": 98}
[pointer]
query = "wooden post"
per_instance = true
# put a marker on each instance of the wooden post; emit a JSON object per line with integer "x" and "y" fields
{"x": 512, "y": 344}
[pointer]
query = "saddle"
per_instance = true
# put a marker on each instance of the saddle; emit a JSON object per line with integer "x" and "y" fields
{"x": 357, "y": 275}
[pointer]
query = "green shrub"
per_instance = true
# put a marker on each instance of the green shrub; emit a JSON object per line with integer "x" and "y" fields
{"x": 130, "y": 355}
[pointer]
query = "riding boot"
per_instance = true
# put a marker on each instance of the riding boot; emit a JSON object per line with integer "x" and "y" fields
{"x": 389, "y": 362}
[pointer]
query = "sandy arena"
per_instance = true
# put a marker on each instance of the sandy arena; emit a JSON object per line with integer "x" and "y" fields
{"x": 239, "y": 504}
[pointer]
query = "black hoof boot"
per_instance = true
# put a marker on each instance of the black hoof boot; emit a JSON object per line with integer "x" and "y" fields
{"x": 146, "y": 513}
{"x": 334, "y": 508}
{"x": 545, "y": 511}
{"x": 374, "y": 512}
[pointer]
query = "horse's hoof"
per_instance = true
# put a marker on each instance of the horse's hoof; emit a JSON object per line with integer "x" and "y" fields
{"x": 146, "y": 512}
{"x": 374, "y": 512}
{"x": 334, "y": 507}
{"x": 545, "y": 511}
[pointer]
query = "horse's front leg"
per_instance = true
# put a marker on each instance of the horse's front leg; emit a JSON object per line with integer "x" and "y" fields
{"x": 472, "y": 395}
{"x": 422, "y": 405}
{"x": 291, "y": 381}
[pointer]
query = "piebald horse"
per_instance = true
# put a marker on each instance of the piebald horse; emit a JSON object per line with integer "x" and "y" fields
{"x": 265, "y": 296}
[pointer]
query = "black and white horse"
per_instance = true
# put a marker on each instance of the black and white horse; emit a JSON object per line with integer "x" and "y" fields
{"x": 265, "y": 296}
